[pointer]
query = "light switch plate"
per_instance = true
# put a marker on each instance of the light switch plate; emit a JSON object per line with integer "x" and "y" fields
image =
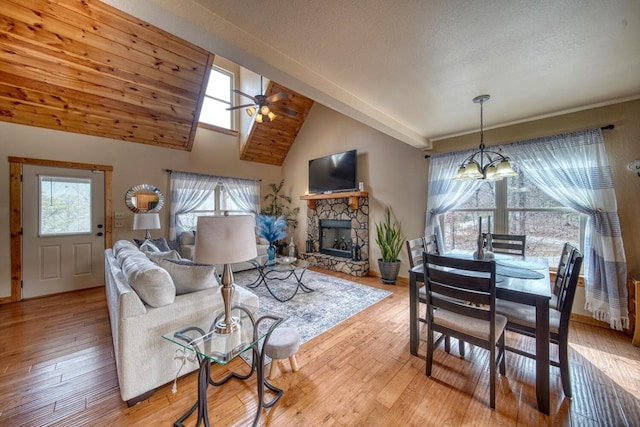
{"x": 119, "y": 223}
{"x": 118, "y": 215}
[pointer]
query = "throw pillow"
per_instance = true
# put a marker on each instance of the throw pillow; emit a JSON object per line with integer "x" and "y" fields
{"x": 148, "y": 246}
{"x": 155, "y": 256}
{"x": 151, "y": 282}
{"x": 160, "y": 243}
{"x": 189, "y": 276}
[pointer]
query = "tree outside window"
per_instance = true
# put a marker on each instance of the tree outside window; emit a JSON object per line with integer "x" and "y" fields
{"x": 515, "y": 206}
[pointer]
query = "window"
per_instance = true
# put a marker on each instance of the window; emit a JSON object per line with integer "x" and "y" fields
{"x": 65, "y": 206}
{"x": 515, "y": 206}
{"x": 217, "y": 202}
{"x": 217, "y": 99}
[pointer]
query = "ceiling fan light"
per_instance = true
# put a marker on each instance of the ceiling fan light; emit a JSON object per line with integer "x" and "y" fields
{"x": 251, "y": 111}
{"x": 271, "y": 115}
{"x": 264, "y": 110}
{"x": 259, "y": 118}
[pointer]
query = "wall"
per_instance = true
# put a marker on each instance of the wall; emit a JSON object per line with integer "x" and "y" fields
{"x": 394, "y": 173}
{"x": 212, "y": 153}
{"x": 622, "y": 145}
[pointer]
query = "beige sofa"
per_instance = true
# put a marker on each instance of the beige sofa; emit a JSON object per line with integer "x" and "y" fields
{"x": 145, "y": 360}
{"x": 187, "y": 246}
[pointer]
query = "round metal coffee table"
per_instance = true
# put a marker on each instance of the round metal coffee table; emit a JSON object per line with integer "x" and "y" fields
{"x": 274, "y": 274}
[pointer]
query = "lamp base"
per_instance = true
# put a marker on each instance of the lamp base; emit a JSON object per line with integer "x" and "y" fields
{"x": 223, "y": 328}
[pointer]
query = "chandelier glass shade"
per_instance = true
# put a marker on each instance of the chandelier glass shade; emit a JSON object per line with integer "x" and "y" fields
{"x": 484, "y": 164}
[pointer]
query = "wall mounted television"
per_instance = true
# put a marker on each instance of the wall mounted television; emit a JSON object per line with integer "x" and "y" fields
{"x": 333, "y": 173}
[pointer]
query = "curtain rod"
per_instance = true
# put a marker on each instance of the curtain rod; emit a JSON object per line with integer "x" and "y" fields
{"x": 170, "y": 171}
{"x": 607, "y": 127}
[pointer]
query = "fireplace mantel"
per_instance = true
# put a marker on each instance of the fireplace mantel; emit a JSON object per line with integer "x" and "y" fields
{"x": 353, "y": 197}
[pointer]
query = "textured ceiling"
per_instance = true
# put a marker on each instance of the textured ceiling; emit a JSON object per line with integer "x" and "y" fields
{"x": 411, "y": 68}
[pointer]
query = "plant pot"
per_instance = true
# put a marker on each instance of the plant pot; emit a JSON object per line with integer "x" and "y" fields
{"x": 389, "y": 271}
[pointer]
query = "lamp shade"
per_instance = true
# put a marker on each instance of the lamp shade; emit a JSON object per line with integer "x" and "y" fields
{"x": 225, "y": 239}
{"x": 146, "y": 221}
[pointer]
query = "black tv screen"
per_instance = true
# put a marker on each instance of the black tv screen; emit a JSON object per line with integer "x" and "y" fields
{"x": 333, "y": 173}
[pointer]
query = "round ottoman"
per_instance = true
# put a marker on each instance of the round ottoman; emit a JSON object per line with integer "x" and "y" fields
{"x": 283, "y": 343}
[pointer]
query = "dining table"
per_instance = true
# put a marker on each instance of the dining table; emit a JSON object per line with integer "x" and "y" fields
{"x": 519, "y": 279}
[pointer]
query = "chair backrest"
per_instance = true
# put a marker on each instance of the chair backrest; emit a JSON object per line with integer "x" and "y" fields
{"x": 453, "y": 283}
{"x": 565, "y": 288}
{"x": 561, "y": 272}
{"x": 430, "y": 244}
{"x": 513, "y": 244}
{"x": 415, "y": 248}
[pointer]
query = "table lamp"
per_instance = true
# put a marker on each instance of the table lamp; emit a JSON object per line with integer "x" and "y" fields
{"x": 226, "y": 240}
{"x": 146, "y": 221}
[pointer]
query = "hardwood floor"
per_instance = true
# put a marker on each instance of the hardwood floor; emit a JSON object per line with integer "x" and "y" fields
{"x": 57, "y": 368}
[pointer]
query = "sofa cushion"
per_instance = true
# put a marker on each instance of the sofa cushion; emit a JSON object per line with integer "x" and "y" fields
{"x": 160, "y": 244}
{"x": 121, "y": 245}
{"x": 152, "y": 283}
{"x": 189, "y": 276}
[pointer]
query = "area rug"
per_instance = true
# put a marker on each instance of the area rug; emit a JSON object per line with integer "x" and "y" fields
{"x": 332, "y": 301}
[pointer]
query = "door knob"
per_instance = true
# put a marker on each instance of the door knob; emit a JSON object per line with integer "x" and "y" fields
{"x": 99, "y": 234}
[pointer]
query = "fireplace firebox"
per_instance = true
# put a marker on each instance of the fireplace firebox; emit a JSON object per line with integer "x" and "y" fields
{"x": 335, "y": 237}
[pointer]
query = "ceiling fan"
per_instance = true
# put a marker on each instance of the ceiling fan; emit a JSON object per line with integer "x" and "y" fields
{"x": 261, "y": 105}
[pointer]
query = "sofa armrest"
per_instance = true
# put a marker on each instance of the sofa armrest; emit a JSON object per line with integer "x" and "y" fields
{"x": 187, "y": 251}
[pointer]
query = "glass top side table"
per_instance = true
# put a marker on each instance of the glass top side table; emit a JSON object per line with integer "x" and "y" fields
{"x": 211, "y": 347}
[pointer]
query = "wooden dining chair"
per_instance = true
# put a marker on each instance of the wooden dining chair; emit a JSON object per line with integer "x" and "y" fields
{"x": 522, "y": 318}
{"x": 450, "y": 284}
{"x": 513, "y": 244}
{"x": 415, "y": 248}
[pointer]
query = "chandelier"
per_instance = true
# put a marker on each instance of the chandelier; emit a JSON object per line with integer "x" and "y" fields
{"x": 484, "y": 164}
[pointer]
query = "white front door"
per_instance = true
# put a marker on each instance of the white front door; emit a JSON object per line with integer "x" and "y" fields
{"x": 63, "y": 232}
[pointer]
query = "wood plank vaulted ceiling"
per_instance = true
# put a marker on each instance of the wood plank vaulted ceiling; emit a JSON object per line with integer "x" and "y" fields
{"x": 86, "y": 67}
{"x": 270, "y": 142}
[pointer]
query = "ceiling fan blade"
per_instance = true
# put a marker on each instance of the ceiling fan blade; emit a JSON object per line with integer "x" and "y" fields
{"x": 277, "y": 97}
{"x": 239, "y": 106}
{"x": 239, "y": 92}
{"x": 288, "y": 111}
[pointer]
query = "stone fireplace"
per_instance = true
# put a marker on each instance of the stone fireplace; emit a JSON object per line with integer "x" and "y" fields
{"x": 338, "y": 233}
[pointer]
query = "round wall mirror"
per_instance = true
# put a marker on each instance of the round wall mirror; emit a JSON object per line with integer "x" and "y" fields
{"x": 144, "y": 198}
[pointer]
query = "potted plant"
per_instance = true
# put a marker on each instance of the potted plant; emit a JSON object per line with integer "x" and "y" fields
{"x": 278, "y": 204}
{"x": 390, "y": 240}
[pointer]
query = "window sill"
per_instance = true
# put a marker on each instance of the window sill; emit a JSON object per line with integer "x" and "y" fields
{"x": 218, "y": 129}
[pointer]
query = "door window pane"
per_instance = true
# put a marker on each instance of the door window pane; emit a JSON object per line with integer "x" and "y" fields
{"x": 65, "y": 205}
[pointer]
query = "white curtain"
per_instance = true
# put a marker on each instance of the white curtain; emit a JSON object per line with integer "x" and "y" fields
{"x": 573, "y": 169}
{"x": 187, "y": 191}
{"x": 245, "y": 193}
{"x": 444, "y": 193}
